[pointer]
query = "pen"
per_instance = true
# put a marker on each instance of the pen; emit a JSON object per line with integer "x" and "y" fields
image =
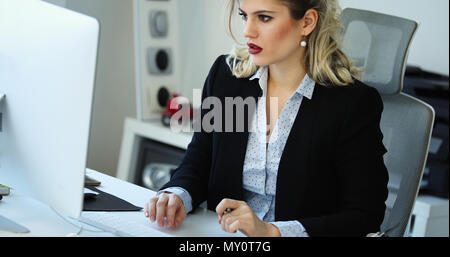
{"x": 228, "y": 210}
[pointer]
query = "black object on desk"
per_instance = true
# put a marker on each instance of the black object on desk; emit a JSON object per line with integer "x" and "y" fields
{"x": 107, "y": 202}
{"x": 88, "y": 181}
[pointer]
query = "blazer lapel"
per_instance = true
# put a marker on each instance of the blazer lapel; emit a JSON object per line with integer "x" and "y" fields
{"x": 234, "y": 147}
{"x": 294, "y": 161}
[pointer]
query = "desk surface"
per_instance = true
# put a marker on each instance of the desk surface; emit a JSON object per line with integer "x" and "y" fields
{"x": 43, "y": 221}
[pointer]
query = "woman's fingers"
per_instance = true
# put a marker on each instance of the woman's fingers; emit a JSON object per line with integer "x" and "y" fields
{"x": 242, "y": 218}
{"x": 231, "y": 223}
{"x": 174, "y": 208}
{"x": 151, "y": 209}
{"x": 224, "y": 222}
{"x": 166, "y": 208}
{"x": 179, "y": 217}
{"x": 228, "y": 204}
{"x": 171, "y": 210}
{"x": 161, "y": 209}
{"x": 234, "y": 227}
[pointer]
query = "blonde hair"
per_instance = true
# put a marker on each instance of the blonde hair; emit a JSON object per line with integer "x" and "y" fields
{"x": 325, "y": 62}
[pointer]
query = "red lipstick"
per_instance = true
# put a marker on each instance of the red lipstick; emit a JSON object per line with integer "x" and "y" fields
{"x": 254, "y": 49}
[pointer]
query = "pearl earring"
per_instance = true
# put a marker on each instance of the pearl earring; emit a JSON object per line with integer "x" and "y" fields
{"x": 303, "y": 43}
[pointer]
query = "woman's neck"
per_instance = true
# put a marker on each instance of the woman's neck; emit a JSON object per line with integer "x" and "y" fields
{"x": 288, "y": 74}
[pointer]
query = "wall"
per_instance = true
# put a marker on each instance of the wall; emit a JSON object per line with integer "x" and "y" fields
{"x": 202, "y": 41}
{"x": 114, "y": 97}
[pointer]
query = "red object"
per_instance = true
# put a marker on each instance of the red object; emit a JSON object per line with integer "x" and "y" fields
{"x": 176, "y": 106}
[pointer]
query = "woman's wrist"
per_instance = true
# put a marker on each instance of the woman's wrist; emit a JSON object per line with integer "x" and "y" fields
{"x": 273, "y": 230}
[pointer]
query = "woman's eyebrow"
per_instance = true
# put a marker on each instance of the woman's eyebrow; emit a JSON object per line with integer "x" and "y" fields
{"x": 259, "y": 12}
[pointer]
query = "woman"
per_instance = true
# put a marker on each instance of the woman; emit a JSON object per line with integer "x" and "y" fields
{"x": 319, "y": 170}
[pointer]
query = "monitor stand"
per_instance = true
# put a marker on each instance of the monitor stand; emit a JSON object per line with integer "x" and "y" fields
{"x": 7, "y": 224}
{"x": 2, "y": 96}
{"x": 10, "y": 226}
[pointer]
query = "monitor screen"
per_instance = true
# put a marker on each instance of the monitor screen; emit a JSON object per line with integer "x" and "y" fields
{"x": 47, "y": 72}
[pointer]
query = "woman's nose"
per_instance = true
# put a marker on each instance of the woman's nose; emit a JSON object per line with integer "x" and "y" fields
{"x": 250, "y": 30}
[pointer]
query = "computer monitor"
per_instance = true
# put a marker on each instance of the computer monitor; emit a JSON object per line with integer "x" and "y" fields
{"x": 47, "y": 72}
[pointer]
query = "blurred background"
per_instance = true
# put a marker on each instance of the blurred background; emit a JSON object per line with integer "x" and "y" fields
{"x": 126, "y": 86}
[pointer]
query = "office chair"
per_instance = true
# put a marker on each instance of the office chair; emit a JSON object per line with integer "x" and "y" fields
{"x": 379, "y": 44}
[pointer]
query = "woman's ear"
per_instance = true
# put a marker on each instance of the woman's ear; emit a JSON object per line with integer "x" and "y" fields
{"x": 309, "y": 21}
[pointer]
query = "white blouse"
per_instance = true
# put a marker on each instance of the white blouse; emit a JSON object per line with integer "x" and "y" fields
{"x": 262, "y": 160}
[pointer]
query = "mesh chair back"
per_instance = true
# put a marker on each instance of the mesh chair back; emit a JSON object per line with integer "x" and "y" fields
{"x": 379, "y": 44}
{"x": 406, "y": 124}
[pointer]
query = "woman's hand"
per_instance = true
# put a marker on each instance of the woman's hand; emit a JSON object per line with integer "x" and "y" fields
{"x": 242, "y": 218}
{"x": 166, "y": 205}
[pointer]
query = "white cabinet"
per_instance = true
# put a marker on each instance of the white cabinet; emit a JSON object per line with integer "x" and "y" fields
{"x": 431, "y": 217}
{"x": 134, "y": 132}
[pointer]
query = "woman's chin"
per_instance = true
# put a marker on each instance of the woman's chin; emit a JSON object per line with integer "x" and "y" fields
{"x": 259, "y": 61}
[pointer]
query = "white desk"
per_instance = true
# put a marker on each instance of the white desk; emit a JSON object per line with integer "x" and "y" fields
{"x": 42, "y": 221}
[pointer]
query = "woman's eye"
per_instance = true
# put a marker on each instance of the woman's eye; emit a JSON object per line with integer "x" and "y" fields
{"x": 265, "y": 18}
{"x": 243, "y": 15}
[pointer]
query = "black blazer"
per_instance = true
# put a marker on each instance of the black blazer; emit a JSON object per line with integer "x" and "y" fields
{"x": 331, "y": 176}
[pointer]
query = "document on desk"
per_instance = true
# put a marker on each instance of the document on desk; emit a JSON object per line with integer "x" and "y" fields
{"x": 107, "y": 202}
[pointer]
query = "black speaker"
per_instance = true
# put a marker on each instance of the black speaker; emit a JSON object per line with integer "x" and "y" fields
{"x": 160, "y": 61}
{"x": 163, "y": 96}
